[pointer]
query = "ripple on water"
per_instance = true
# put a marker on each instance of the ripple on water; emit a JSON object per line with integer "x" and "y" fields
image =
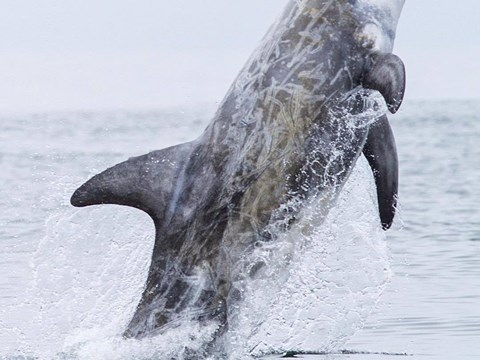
{"x": 430, "y": 308}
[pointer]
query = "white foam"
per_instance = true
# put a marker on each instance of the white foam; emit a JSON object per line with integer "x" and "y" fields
{"x": 318, "y": 287}
{"x": 319, "y": 295}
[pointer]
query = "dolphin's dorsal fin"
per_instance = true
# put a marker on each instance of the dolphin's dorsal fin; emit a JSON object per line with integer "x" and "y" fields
{"x": 144, "y": 182}
{"x": 381, "y": 153}
{"x": 386, "y": 74}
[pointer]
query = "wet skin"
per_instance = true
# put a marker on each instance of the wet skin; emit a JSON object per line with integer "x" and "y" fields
{"x": 288, "y": 132}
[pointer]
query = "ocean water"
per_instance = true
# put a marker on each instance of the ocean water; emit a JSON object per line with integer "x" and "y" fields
{"x": 70, "y": 278}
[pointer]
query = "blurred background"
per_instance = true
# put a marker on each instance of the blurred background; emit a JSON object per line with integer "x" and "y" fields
{"x": 138, "y": 54}
{"x": 87, "y": 84}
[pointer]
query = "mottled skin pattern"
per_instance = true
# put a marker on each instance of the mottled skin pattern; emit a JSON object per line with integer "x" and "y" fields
{"x": 281, "y": 137}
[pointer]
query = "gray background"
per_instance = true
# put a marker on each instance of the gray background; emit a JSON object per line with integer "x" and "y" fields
{"x": 137, "y": 54}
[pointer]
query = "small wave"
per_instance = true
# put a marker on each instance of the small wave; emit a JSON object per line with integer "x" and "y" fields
{"x": 293, "y": 354}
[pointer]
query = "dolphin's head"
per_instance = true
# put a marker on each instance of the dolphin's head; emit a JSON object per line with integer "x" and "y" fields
{"x": 373, "y": 23}
{"x": 377, "y": 23}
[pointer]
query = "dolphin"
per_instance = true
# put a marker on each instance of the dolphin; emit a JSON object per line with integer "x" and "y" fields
{"x": 311, "y": 99}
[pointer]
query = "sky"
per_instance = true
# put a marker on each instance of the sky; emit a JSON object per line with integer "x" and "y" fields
{"x": 67, "y": 55}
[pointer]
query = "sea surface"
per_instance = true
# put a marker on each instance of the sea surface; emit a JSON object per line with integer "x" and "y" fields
{"x": 70, "y": 278}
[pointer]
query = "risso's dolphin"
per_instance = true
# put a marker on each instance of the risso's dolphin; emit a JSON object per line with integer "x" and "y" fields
{"x": 288, "y": 133}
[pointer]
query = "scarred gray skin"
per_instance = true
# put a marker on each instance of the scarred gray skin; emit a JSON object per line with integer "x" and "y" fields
{"x": 286, "y": 134}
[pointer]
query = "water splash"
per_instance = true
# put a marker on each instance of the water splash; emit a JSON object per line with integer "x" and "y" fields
{"x": 319, "y": 284}
{"x": 88, "y": 273}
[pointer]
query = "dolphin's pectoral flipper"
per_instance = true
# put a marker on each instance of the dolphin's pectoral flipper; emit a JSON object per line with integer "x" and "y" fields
{"x": 386, "y": 74}
{"x": 144, "y": 182}
{"x": 381, "y": 153}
